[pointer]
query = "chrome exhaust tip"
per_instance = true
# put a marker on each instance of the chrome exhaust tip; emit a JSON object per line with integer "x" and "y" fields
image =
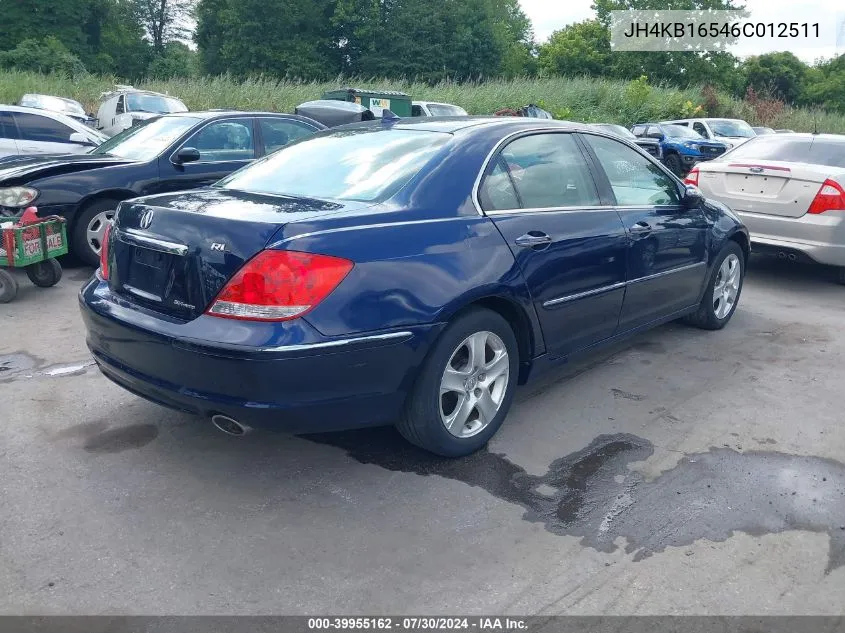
{"x": 229, "y": 426}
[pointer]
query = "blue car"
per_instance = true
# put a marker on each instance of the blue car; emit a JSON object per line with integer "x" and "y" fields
{"x": 682, "y": 147}
{"x": 408, "y": 272}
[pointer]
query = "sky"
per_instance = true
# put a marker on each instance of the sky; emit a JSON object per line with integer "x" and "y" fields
{"x": 550, "y": 15}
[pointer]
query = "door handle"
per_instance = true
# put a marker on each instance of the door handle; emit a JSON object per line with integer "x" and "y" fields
{"x": 533, "y": 238}
{"x": 641, "y": 229}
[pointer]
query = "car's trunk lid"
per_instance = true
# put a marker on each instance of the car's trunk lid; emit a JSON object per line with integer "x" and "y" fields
{"x": 174, "y": 253}
{"x": 767, "y": 187}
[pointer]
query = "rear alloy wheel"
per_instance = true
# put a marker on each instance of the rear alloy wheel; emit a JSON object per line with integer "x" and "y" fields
{"x": 465, "y": 387}
{"x": 90, "y": 228}
{"x": 723, "y": 290}
{"x": 673, "y": 162}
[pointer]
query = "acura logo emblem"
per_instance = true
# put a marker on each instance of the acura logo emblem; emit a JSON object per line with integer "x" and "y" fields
{"x": 146, "y": 220}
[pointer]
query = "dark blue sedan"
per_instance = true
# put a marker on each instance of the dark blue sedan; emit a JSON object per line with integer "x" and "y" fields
{"x": 403, "y": 272}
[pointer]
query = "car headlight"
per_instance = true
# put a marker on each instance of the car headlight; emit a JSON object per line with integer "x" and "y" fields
{"x": 694, "y": 146}
{"x": 17, "y": 196}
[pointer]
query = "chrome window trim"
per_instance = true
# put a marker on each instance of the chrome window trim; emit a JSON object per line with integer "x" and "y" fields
{"x": 566, "y": 130}
{"x": 340, "y": 342}
{"x": 622, "y": 284}
{"x": 132, "y": 236}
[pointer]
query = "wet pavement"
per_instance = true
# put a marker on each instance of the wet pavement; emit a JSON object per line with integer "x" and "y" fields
{"x": 681, "y": 472}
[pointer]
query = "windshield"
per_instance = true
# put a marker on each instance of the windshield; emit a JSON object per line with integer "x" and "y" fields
{"x": 812, "y": 150}
{"x": 136, "y": 102}
{"x": 444, "y": 109}
{"x": 731, "y": 129}
{"x": 681, "y": 131}
{"x": 147, "y": 140}
{"x": 616, "y": 129}
{"x": 359, "y": 165}
{"x": 56, "y": 104}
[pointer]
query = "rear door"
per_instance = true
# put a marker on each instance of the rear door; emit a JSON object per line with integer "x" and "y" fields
{"x": 667, "y": 251}
{"x": 44, "y": 135}
{"x": 8, "y": 135}
{"x": 569, "y": 243}
{"x": 225, "y": 145}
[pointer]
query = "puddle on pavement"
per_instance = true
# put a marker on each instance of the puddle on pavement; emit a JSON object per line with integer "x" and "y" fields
{"x": 592, "y": 493}
{"x": 12, "y": 365}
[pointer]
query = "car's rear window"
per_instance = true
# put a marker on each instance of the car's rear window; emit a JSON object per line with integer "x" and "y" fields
{"x": 813, "y": 150}
{"x": 365, "y": 165}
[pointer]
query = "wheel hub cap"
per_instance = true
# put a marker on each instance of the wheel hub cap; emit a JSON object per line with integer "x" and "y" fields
{"x": 726, "y": 290}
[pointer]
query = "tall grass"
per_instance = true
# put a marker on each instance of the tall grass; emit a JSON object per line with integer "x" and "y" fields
{"x": 578, "y": 99}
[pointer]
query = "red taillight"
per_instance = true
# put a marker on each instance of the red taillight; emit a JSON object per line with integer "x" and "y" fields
{"x": 104, "y": 253}
{"x": 692, "y": 177}
{"x": 279, "y": 285}
{"x": 831, "y": 197}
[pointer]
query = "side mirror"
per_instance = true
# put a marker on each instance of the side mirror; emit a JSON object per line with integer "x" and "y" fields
{"x": 80, "y": 139}
{"x": 657, "y": 136}
{"x": 692, "y": 196}
{"x": 186, "y": 155}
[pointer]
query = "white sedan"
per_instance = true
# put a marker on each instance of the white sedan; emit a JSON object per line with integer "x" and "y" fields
{"x": 789, "y": 189}
{"x": 25, "y": 131}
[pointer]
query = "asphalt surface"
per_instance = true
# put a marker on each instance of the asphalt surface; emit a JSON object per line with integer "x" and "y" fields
{"x": 684, "y": 472}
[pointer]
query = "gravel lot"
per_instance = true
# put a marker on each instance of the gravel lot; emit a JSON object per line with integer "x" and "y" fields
{"x": 683, "y": 472}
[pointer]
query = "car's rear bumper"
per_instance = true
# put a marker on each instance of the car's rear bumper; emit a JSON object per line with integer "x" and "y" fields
{"x": 821, "y": 237}
{"x": 319, "y": 385}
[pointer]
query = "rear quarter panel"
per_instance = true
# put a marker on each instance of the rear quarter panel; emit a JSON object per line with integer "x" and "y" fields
{"x": 413, "y": 272}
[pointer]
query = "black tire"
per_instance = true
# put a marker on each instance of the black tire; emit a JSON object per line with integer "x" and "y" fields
{"x": 705, "y": 317}
{"x": 673, "y": 162}
{"x": 421, "y": 422}
{"x": 44, "y": 274}
{"x": 8, "y": 287}
{"x": 79, "y": 241}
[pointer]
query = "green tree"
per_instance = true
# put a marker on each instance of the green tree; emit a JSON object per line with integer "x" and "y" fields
{"x": 782, "y": 75}
{"x": 47, "y": 55}
{"x": 582, "y": 48}
{"x": 164, "y": 20}
{"x": 825, "y": 85}
{"x": 177, "y": 60}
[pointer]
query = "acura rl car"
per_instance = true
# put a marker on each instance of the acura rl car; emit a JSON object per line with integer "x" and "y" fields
{"x": 172, "y": 152}
{"x": 404, "y": 271}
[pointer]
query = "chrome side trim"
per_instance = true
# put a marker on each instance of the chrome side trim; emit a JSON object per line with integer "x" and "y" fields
{"x": 582, "y": 295}
{"x": 132, "y": 236}
{"x": 667, "y": 272}
{"x": 596, "y": 291}
{"x": 551, "y": 209}
{"x": 375, "y": 338}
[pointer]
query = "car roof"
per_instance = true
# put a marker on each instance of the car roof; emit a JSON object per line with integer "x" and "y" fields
{"x": 58, "y": 116}
{"x": 840, "y": 138}
{"x": 208, "y": 114}
{"x": 458, "y": 124}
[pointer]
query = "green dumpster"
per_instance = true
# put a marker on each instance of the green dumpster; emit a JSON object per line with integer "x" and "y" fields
{"x": 375, "y": 100}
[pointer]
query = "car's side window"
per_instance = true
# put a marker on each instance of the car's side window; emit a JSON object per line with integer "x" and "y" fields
{"x": 654, "y": 131}
{"x": 638, "y": 130}
{"x": 417, "y": 111}
{"x": 227, "y": 140}
{"x": 34, "y": 127}
{"x": 635, "y": 180}
{"x": 549, "y": 171}
{"x": 496, "y": 192}
{"x": 7, "y": 126}
{"x": 119, "y": 108}
{"x": 279, "y": 132}
{"x": 699, "y": 127}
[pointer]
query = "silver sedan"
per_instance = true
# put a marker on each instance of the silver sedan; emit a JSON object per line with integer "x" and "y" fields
{"x": 789, "y": 189}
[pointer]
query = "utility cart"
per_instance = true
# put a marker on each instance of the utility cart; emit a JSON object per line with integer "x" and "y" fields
{"x": 34, "y": 247}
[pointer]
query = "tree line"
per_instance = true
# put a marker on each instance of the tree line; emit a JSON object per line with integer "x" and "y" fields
{"x": 425, "y": 40}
